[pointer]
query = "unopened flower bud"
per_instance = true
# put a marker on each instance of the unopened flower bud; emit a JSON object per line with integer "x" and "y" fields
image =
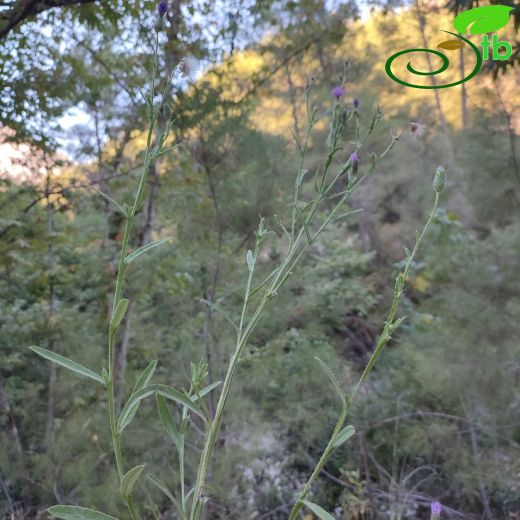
{"x": 162, "y": 8}
{"x": 354, "y": 159}
{"x": 438, "y": 179}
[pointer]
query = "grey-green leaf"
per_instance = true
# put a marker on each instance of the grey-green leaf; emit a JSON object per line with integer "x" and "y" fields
{"x": 169, "y": 422}
{"x": 344, "y": 435}
{"x": 128, "y": 481}
{"x": 206, "y": 390}
{"x": 332, "y": 377}
{"x": 156, "y": 482}
{"x": 138, "y": 252}
{"x": 250, "y": 260}
{"x": 131, "y": 405}
{"x": 128, "y": 411}
{"x": 220, "y": 311}
{"x": 67, "y": 363}
{"x": 143, "y": 381}
{"x": 77, "y": 513}
{"x": 145, "y": 377}
{"x": 111, "y": 201}
{"x": 180, "y": 398}
{"x": 318, "y": 511}
{"x": 119, "y": 314}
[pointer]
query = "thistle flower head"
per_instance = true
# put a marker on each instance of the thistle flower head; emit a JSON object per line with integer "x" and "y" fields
{"x": 355, "y": 103}
{"x": 438, "y": 185}
{"x": 162, "y": 8}
{"x": 436, "y": 510}
{"x": 337, "y": 91}
{"x": 354, "y": 158}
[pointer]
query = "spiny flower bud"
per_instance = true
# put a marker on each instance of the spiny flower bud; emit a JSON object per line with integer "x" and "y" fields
{"x": 436, "y": 511}
{"x": 438, "y": 179}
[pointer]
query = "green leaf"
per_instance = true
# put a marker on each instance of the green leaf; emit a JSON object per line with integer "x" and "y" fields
{"x": 169, "y": 422}
{"x": 111, "y": 201}
{"x": 128, "y": 411}
{"x": 145, "y": 377}
{"x": 332, "y": 377}
{"x": 344, "y": 435}
{"x": 131, "y": 405}
{"x": 77, "y": 513}
{"x": 487, "y": 18}
{"x": 206, "y": 390}
{"x": 67, "y": 363}
{"x": 138, "y": 252}
{"x": 119, "y": 314}
{"x": 143, "y": 381}
{"x": 128, "y": 481}
{"x": 156, "y": 482}
{"x": 180, "y": 398}
{"x": 250, "y": 260}
{"x": 220, "y": 311}
{"x": 317, "y": 510}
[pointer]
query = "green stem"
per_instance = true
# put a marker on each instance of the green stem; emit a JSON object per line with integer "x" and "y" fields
{"x": 116, "y": 437}
{"x": 385, "y": 336}
{"x": 291, "y": 258}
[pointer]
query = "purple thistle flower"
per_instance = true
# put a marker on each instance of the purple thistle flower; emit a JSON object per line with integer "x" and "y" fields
{"x": 337, "y": 91}
{"x": 162, "y": 8}
{"x": 355, "y": 103}
{"x": 354, "y": 158}
{"x": 436, "y": 510}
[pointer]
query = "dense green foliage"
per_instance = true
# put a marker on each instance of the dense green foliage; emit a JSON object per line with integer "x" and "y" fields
{"x": 438, "y": 417}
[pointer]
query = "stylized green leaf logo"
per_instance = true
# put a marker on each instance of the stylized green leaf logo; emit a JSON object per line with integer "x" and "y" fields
{"x": 487, "y": 18}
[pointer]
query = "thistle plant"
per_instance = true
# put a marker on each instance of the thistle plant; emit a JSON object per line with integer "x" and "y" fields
{"x": 339, "y": 175}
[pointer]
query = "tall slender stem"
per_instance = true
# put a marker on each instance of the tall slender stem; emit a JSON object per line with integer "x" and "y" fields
{"x": 389, "y": 327}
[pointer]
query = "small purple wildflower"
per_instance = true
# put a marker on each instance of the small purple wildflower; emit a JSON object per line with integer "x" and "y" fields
{"x": 162, "y": 8}
{"x": 337, "y": 91}
{"x": 355, "y": 103}
{"x": 436, "y": 510}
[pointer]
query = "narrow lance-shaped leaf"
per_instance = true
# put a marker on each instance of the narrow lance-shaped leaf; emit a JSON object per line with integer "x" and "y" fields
{"x": 138, "y": 252}
{"x": 77, "y": 513}
{"x": 220, "y": 311}
{"x": 119, "y": 314}
{"x": 180, "y": 398}
{"x": 206, "y": 390}
{"x": 333, "y": 379}
{"x": 130, "y": 407}
{"x": 143, "y": 381}
{"x": 318, "y": 511}
{"x": 169, "y": 422}
{"x": 128, "y": 481}
{"x": 110, "y": 200}
{"x": 127, "y": 414}
{"x": 67, "y": 363}
{"x": 344, "y": 435}
{"x": 156, "y": 482}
